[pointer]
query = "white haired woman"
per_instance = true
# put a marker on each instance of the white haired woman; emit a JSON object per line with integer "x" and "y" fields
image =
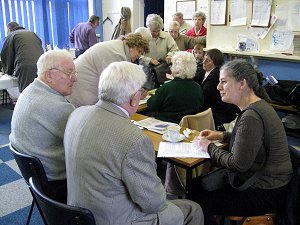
{"x": 182, "y": 95}
{"x": 199, "y": 29}
{"x": 162, "y": 45}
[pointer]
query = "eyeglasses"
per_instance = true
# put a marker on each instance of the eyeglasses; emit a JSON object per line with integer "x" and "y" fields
{"x": 69, "y": 74}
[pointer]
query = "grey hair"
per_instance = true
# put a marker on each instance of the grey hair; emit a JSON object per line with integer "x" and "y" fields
{"x": 200, "y": 14}
{"x": 51, "y": 59}
{"x": 154, "y": 21}
{"x": 174, "y": 24}
{"x": 183, "y": 65}
{"x": 179, "y": 14}
{"x": 240, "y": 69}
{"x": 145, "y": 32}
{"x": 12, "y": 25}
{"x": 119, "y": 81}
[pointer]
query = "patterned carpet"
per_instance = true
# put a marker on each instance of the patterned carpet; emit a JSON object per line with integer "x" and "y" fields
{"x": 14, "y": 193}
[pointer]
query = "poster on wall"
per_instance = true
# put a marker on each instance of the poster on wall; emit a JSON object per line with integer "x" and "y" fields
{"x": 187, "y": 8}
{"x": 218, "y": 12}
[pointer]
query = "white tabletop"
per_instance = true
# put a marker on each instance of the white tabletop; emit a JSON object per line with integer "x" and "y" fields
{"x": 7, "y": 81}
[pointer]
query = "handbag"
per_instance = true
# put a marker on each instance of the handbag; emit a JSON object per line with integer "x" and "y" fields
{"x": 221, "y": 177}
{"x": 214, "y": 180}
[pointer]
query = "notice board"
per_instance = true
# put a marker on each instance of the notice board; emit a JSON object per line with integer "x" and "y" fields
{"x": 226, "y": 37}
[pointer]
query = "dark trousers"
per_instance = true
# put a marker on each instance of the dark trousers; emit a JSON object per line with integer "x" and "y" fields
{"x": 78, "y": 52}
{"x": 228, "y": 201}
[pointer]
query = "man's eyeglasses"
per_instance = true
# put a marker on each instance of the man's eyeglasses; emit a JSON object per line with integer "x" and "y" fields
{"x": 69, "y": 74}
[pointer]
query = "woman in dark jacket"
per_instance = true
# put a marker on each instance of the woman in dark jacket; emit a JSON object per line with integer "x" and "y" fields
{"x": 222, "y": 112}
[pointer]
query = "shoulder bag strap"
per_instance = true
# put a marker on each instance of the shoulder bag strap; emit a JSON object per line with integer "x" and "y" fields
{"x": 258, "y": 173}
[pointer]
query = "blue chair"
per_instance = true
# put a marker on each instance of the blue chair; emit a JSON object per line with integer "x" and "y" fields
{"x": 56, "y": 213}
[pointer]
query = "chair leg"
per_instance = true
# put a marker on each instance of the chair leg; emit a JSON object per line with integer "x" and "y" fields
{"x": 30, "y": 212}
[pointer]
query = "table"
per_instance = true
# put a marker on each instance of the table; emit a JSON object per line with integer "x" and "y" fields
{"x": 7, "y": 81}
{"x": 186, "y": 163}
{"x": 142, "y": 107}
{"x": 143, "y": 102}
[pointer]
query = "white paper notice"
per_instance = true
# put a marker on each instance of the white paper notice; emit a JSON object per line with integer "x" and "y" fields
{"x": 282, "y": 41}
{"x": 181, "y": 150}
{"x": 238, "y": 12}
{"x": 261, "y": 13}
{"x": 218, "y": 12}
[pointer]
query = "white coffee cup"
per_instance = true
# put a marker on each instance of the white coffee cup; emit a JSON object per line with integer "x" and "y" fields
{"x": 173, "y": 132}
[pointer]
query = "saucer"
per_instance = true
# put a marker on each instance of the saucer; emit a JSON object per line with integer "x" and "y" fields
{"x": 166, "y": 138}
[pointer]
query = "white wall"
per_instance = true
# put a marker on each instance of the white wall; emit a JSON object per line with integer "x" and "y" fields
{"x": 170, "y": 9}
{"x": 112, "y": 9}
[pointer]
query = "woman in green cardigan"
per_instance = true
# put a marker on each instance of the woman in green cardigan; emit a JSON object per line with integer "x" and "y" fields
{"x": 181, "y": 96}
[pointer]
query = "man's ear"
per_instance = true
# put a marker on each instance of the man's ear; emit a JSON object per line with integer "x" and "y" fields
{"x": 48, "y": 76}
{"x": 134, "y": 100}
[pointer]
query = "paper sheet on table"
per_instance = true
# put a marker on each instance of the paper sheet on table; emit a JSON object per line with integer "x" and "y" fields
{"x": 154, "y": 125}
{"x": 181, "y": 150}
{"x": 144, "y": 101}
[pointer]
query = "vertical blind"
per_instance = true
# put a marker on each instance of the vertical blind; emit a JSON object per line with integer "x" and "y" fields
{"x": 51, "y": 20}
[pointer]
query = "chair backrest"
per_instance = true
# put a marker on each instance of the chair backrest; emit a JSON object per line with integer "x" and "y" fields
{"x": 56, "y": 213}
{"x": 291, "y": 211}
{"x": 30, "y": 166}
{"x": 199, "y": 121}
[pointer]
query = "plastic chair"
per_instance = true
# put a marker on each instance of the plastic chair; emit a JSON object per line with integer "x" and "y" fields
{"x": 175, "y": 181}
{"x": 199, "y": 121}
{"x": 56, "y": 213}
{"x": 30, "y": 166}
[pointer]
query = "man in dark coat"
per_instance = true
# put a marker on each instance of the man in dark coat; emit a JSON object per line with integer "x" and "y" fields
{"x": 19, "y": 54}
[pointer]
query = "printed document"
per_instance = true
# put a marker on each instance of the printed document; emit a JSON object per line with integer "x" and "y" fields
{"x": 154, "y": 125}
{"x": 181, "y": 150}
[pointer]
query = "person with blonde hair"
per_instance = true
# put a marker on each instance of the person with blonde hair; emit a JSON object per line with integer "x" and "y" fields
{"x": 181, "y": 96}
{"x": 93, "y": 61}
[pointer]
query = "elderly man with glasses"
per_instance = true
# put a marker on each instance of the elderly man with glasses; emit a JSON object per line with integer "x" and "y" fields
{"x": 40, "y": 116}
{"x": 110, "y": 162}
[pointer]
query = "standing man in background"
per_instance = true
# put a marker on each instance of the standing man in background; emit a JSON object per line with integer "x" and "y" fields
{"x": 83, "y": 35}
{"x": 21, "y": 50}
{"x": 184, "y": 26}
